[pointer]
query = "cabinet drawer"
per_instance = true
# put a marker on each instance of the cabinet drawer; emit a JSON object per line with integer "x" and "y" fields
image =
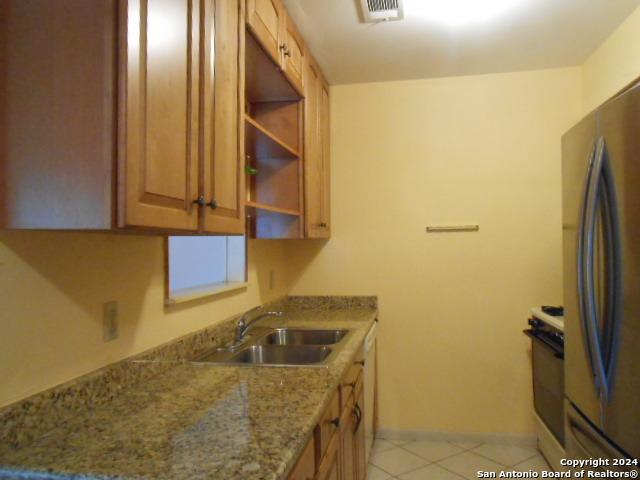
{"x": 327, "y": 427}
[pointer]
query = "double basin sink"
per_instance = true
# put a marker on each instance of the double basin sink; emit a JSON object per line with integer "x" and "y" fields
{"x": 282, "y": 347}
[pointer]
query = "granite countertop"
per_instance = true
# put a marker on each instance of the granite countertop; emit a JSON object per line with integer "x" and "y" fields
{"x": 197, "y": 421}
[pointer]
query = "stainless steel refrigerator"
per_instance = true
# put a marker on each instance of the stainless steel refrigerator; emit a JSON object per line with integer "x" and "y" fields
{"x": 601, "y": 241}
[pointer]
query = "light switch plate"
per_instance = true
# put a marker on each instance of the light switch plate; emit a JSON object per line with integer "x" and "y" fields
{"x": 110, "y": 321}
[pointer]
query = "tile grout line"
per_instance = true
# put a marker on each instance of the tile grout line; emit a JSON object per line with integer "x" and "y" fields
{"x": 416, "y": 469}
{"x": 450, "y": 471}
{"x": 429, "y": 462}
{"x": 462, "y": 450}
{"x": 392, "y": 476}
{"x": 527, "y": 459}
{"x": 437, "y": 462}
{"x": 502, "y": 464}
{"x": 432, "y": 462}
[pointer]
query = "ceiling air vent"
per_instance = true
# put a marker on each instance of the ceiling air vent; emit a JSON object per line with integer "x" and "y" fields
{"x": 374, "y": 11}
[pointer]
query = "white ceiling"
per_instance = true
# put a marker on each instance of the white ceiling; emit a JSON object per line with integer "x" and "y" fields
{"x": 534, "y": 35}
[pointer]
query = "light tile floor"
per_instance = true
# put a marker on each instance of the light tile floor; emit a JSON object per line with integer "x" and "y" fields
{"x": 441, "y": 460}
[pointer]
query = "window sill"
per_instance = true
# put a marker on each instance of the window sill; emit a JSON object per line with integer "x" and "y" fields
{"x": 189, "y": 294}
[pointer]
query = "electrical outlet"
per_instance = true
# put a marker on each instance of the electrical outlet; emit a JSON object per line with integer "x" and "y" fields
{"x": 272, "y": 279}
{"x": 110, "y": 321}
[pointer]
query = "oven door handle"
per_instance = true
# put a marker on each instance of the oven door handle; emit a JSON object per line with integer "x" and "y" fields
{"x": 558, "y": 352}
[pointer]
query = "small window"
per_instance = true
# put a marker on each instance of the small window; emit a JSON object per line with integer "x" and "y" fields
{"x": 203, "y": 266}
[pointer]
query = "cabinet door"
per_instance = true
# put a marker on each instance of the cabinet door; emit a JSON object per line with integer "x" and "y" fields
{"x": 293, "y": 54}
{"x": 305, "y": 469}
{"x": 57, "y": 113}
{"x": 347, "y": 442}
{"x": 317, "y": 175}
{"x": 325, "y": 172}
{"x": 330, "y": 467}
{"x": 359, "y": 437}
{"x": 158, "y": 174}
{"x": 313, "y": 153}
{"x": 265, "y": 19}
{"x": 223, "y": 142}
{"x": 327, "y": 427}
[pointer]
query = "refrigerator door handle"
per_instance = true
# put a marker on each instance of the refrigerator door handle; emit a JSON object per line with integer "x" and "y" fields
{"x": 586, "y": 267}
{"x": 614, "y": 270}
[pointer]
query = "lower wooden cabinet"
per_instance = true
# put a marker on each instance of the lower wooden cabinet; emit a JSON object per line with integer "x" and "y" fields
{"x": 331, "y": 466}
{"x": 348, "y": 441}
{"x": 337, "y": 449}
{"x": 305, "y": 469}
{"x": 358, "y": 435}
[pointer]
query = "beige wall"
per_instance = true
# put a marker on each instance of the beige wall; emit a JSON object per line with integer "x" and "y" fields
{"x": 614, "y": 65}
{"x": 468, "y": 150}
{"x": 53, "y": 285}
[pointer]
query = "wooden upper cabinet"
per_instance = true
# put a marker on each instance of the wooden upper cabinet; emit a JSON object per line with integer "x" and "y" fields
{"x": 293, "y": 54}
{"x": 159, "y": 130}
{"x": 325, "y": 146}
{"x": 317, "y": 153}
{"x": 135, "y": 112}
{"x": 265, "y": 19}
{"x": 57, "y": 114}
{"x": 277, "y": 34}
{"x": 223, "y": 123}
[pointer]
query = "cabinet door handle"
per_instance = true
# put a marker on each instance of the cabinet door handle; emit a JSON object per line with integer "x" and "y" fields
{"x": 212, "y": 204}
{"x": 287, "y": 53}
{"x": 335, "y": 422}
{"x": 357, "y": 411}
{"x": 323, "y": 225}
{"x": 359, "y": 362}
{"x": 200, "y": 201}
{"x": 283, "y": 46}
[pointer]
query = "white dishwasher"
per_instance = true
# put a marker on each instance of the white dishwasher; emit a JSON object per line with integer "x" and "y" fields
{"x": 369, "y": 389}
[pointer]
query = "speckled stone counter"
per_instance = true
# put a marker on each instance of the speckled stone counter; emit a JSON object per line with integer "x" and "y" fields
{"x": 183, "y": 420}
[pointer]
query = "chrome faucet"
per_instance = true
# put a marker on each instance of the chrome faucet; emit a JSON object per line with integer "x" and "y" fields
{"x": 246, "y": 322}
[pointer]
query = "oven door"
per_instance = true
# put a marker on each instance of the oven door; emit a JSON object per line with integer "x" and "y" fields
{"x": 548, "y": 382}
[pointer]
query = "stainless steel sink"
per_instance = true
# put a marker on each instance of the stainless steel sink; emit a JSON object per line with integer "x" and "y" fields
{"x": 283, "y": 347}
{"x": 295, "y": 336}
{"x": 282, "y": 355}
{"x": 290, "y": 355}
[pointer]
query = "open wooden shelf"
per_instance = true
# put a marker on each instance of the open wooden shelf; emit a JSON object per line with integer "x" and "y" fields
{"x": 272, "y": 208}
{"x": 266, "y": 144}
{"x": 273, "y": 118}
{"x": 265, "y": 82}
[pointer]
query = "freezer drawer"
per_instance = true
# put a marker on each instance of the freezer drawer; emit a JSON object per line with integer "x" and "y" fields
{"x": 584, "y": 442}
